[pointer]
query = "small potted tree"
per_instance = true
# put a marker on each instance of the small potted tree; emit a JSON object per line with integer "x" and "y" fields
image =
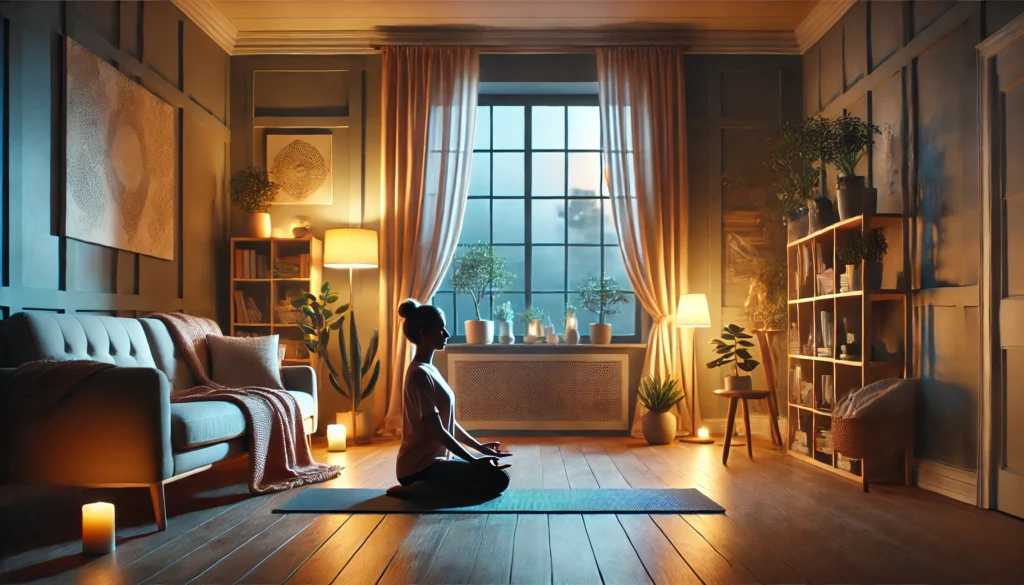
{"x": 253, "y": 191}
{"x": 872, "y": 249}
{"x": 658, "y": 397}
{"x": 505, "y": 315}
{"x": 480, "y": 273}
{"x": 850, "y": 138}
{"x": 601, "y": 295}
{"x": 732, "y": 349}
{"x": 793, "y": 155}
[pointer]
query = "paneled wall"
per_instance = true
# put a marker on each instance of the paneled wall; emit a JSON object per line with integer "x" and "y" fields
{"x": 154, "y": 44}
{"x": 911, "y": 68}
{"x": 334, "y": 95}
{"x": 733, "y": 105}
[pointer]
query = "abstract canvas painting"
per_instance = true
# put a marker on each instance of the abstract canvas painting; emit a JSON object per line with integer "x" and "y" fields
{"x": 301, "y": 166}
{"x": 120, "y": 160}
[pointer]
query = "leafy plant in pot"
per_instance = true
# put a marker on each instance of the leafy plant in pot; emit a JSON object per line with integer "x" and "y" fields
{"x": 848, "y": 140}
{"x": 601, "y": 295}
{"x": 480, "y": 273}
{"x": 793, "y": 155}
{"x": 533, "y": 318}
{"x": 358, "y": 376}
{"x": 732, "y": 349}
{"x": 505, "y": 315}
{"x": 658, "y": 397}
{"x": 253, "y": 191}
{"x": 871, "y": 248}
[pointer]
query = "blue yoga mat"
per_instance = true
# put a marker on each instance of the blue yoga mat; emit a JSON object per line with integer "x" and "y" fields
{"x": 540, "y": 501}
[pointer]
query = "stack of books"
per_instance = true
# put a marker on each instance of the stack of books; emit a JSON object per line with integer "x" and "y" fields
{"x": 246, "y": 311}
{"x": 251, "y": 264}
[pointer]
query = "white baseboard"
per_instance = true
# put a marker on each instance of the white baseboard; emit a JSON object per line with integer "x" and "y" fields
{"x": 952, "y": 482}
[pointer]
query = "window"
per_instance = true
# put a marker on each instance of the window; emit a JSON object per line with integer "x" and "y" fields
{"x": 537, "y": 195}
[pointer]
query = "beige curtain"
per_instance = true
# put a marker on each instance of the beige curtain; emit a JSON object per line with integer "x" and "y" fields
{"x": 429, "y": 115}
{"x": 643, "y": 109}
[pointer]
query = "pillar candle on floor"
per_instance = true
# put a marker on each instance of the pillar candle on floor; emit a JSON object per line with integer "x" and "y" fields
{"x": 98, "y": 528}
{"x": 335, "y": 437}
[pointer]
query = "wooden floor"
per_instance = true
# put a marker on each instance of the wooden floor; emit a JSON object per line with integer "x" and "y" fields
{"x": 786, "y": 522}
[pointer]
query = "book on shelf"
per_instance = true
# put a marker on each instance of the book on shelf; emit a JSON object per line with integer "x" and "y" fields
{"x": 295, "y": 266}
{"x": 251, "y": 264}
{"x": 246, "y": 310}
{"x": 824, "y": 346}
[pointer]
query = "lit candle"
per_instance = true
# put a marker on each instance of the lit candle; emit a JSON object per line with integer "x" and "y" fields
{"x": 702, "y": 433}
{"x": 98, "y": 528}
{"x": 570, "y": 323}
{"x": 335, "y": 437}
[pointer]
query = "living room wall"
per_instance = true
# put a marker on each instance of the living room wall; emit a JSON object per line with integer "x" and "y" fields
{"x": 911, "y": 69}
{"x": 154, "y": 44}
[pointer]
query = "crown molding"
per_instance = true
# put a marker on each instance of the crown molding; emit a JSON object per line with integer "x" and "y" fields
{"x": 508, "y": 40}
{"x": 211, "y": 21}
{"x": 824, "y": 15}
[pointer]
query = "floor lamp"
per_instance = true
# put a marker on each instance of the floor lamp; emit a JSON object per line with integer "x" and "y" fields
{"x": 352, "y": 248}
{"x": 693, "y": 313}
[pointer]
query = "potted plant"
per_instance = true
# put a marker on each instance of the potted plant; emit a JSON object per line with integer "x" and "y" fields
{"x": 253, "y": 191}
{"x": 658, "y": 397}
{"x": 871, "y": 248}
{"x": 357, "y": 378}
{"x": 505, "y": 315}
{"x": 793, "y": 155}
{"x": 572, "y": 334}
{"x": 849, "y": 139}
{"x": 534, "y": 318}
{"x": 601, "y": 295}
{"x": 480, "y": 272}
{"x": 732, "y": 349}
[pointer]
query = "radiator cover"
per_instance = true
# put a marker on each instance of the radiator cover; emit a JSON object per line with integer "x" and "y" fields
{"x": 540, "y": 392}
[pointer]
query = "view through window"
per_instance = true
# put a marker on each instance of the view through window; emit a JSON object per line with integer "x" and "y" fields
{"x": 538, "y": 196}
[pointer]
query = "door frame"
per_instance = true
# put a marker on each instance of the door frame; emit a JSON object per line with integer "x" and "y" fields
{"x": 991, "y": 249}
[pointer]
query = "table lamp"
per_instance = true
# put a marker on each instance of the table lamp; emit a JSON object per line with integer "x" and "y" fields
{"x": 693, "y": 313}
{"x": 352, "y": 248}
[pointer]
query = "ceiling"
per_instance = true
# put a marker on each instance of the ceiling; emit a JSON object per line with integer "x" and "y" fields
{"x": 346, "y": 26}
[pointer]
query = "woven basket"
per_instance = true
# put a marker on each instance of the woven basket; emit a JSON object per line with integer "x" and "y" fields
{"x": 858, "y": 438}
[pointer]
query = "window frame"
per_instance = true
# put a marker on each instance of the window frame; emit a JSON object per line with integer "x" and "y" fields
{"x": 528, "y": 101}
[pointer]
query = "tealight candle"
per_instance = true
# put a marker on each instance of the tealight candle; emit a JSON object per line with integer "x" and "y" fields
{"x": 335, "y": 437}
{"x": 703, "y": 433}
{"x": 98, "y": 528}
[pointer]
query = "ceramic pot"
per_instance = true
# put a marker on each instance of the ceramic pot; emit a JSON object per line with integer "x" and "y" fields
{"x": 821, "y": 214}
{"x": 345, "y": 418}
{"x": 364, "y": 423}
{"x": 659, "y": 427}
{"x": 300, "y": 232}
{"x": 479, "y": 332}
{"x": 505, "y": 334}
{"x": 257, "y": 225}
{"x": 571, "y": 336}
{"x": 737, "y": 383}
{"x": 600, "y": 334}
{"x": 797, "y": 228}
{"x": 874, "y": 275}
{"x": 856, "y": 199}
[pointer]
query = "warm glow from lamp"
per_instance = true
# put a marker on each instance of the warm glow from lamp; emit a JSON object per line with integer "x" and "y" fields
{"x": 693, "y": 311}
{"x": 703, "y": 433}
{"x": 335, "y": 437}
{"x": 350, "y": 248}
{"x": 98, "y": 528}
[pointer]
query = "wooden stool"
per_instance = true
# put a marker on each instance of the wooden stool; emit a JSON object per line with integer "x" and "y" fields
{"x": 736, "y": 396}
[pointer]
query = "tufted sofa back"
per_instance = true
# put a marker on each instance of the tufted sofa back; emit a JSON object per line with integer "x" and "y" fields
{"x": 140, "y": 343}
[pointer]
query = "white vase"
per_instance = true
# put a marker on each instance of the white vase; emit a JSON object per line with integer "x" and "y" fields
{"x": 257, "y": 225}
{"x": 551, "y": 336}
{"x": 505, "y": 334}
{"x": 479, "y": 332}
{"x": 571, "y": 337}
{"x": 659, "y": 427}
{"x": 600, "y": 333}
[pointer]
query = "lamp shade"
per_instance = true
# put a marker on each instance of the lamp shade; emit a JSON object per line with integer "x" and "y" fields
{"x": 693, "y": 311}
{"x": 350, "y": 248}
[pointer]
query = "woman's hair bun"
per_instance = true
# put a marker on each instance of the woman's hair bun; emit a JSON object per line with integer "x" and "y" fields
{"x": 407, "y": 308}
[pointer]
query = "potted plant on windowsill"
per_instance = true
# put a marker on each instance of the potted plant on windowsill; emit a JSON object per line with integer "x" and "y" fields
{"x": 601, "y": 295}
{"x": 849, "y": 139}
{"x": 658, "y": 398}
{"x": 793, "y": 155}
{"x": 533, "y": 318}
{"x": 480, "y": 273}
{"x": 732, "y": 349}
{"x": 871, "y": 249}
{"x": 253, "y": 191}
{"x": 505, "y": 315}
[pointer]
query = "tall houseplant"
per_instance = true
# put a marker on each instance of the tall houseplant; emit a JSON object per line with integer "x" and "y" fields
{"x": 253, "y": 191}
{"x": 848, "y": 141}
{"x": 793, "y": 155}
{"x": 732, "y": 348}
{"x": 358, "y": 376}
{"x": 601, "y": 295}
{"x": 479, "y": 273}
{"x": 658, "y": 397}
{"x": 818, "y": 133}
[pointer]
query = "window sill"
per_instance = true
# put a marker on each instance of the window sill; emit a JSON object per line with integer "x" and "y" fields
{"x": 540, "y": 348}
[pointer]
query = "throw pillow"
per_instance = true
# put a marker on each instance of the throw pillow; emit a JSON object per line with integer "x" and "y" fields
{"x": 238, "y": 362}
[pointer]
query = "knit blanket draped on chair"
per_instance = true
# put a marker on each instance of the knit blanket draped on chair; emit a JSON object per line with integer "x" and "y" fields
{"x": 279, "y": 458}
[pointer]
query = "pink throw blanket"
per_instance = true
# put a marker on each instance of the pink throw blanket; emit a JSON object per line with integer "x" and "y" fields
{"x": 278, "y": 455}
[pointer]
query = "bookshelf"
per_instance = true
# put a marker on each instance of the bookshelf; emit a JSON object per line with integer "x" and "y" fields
{"x": 265, "y": 274}
{"x": 826, "y": 312}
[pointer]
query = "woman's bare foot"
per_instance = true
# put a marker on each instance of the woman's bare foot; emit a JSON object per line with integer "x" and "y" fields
{"x": 417, "y": 488}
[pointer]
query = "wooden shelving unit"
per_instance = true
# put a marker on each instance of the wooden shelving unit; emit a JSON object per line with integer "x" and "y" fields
{"x": 269, "y": 284}
{"x": 819, "y": 372}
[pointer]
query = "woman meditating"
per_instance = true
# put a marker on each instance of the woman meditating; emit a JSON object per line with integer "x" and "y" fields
{"x": 430, "y": 433}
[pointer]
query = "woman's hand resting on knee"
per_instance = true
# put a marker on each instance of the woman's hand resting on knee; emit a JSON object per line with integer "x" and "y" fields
{"x": 489, "y": 461}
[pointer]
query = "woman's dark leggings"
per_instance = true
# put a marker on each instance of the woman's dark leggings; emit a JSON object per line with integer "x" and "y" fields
{"x": 460, "y": 478}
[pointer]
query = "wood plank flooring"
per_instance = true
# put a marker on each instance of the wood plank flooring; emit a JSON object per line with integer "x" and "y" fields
{"x": 785, "y": 522}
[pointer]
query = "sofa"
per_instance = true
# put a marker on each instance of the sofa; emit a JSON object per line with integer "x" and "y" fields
{"x": 118, "y": 428}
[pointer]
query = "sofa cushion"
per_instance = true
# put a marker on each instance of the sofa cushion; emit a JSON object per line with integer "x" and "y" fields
{"x": 46, "y": 336}
{"x": 237, "y": 362}
{"x": 195, "y": 424}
